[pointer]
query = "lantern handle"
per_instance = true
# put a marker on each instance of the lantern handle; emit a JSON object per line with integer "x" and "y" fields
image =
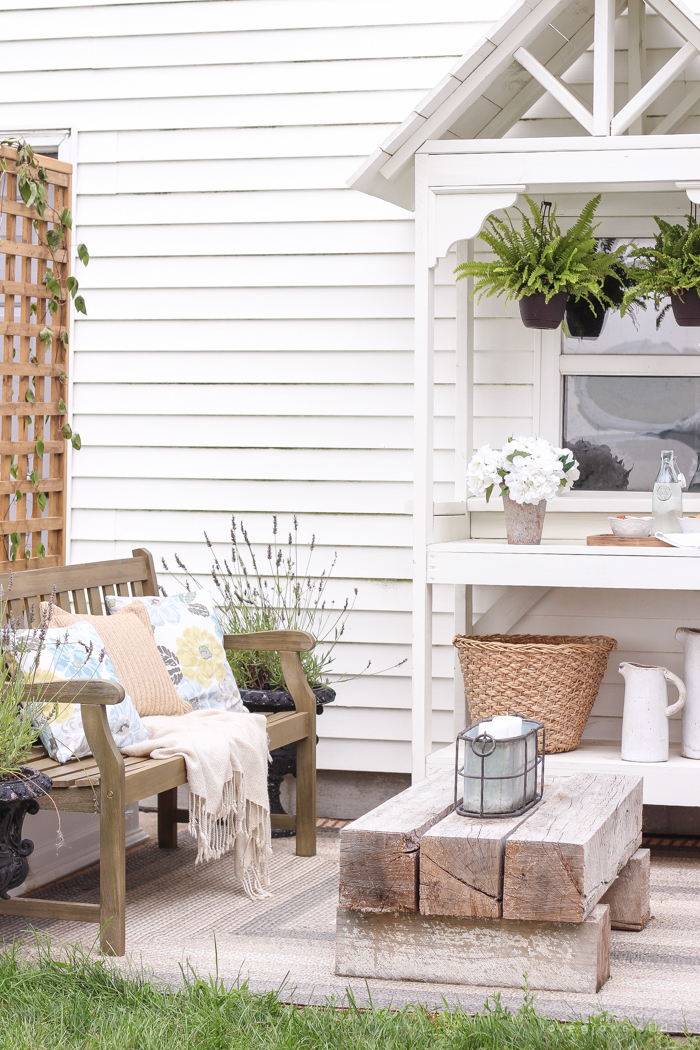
{"x": 487, "y": 739}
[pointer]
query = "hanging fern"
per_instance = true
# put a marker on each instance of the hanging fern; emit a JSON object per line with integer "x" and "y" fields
{"x": 671, "y": 266}
{"x": 538, "y": 257}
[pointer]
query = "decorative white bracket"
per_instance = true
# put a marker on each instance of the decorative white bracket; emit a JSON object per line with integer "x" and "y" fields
{"x": 692, "y": 190}
{"x": 457, "y": 213}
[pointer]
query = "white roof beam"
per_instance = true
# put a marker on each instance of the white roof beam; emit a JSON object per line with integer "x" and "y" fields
{"x": 532, "y": 92}
{"x": 658, "y": 83}
{"x": 679, "y": 18}
{"x": 678, "y": 113}
{"x": 636, "y": 56}
{"x": 555, "y": 87}
{"x": 603, "y": 66}
{"x": 476, "y": 83}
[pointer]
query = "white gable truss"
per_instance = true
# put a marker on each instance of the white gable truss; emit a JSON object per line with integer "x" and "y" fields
{"x": 495, "y": 84}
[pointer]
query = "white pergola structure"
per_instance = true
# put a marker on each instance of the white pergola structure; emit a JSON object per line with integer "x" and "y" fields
{"x": 449, "y": 161}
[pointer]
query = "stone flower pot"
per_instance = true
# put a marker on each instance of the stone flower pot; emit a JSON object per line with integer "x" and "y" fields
{"x": 19, "y": 794}
{"x": 686, "y": 310}
{"x": 536, "y": 313}
{"x": 524, "y": 521}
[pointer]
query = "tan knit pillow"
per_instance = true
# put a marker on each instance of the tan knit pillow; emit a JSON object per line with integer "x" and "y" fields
{"x": 128, "y": 638}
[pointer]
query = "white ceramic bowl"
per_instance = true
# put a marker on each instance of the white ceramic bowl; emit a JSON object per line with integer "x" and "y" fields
{"x": 690, "y": 524}
{"x": 630, "y": 526}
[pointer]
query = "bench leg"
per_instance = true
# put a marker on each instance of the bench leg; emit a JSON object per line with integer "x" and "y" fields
{"x": 112, "y": 829}
{"x": 113, "y": 877}
{"x": 167, "y": 819}
{"x": 306, "y": 797}
{"x": 304, "y": 700}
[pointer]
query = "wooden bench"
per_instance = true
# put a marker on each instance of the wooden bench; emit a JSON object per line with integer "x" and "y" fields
{"x": 107, "y": 782}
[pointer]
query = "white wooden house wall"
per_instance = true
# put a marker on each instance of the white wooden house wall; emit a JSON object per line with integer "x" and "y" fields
{"x": 248, "y": 345}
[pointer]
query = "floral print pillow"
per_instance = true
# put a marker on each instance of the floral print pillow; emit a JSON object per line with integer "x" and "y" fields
{"x": 190, "y": 640}
{"x": 71, "y": 654}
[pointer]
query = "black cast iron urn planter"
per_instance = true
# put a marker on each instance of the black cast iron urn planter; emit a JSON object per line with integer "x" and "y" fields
{"x": 19, "y": 794}
{"x": 284, "y": 759}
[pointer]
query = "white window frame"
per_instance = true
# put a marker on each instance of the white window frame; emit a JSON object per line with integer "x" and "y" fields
{"x": 551, "y": 365}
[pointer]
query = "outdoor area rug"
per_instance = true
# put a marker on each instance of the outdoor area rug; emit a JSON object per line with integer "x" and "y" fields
{"x": 179, "y": 916}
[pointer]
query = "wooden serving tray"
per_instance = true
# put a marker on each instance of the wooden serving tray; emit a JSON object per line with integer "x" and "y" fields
{"x": 606, "y": 539}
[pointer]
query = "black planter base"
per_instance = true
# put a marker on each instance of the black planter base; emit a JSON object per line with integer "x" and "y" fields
{"x": 687, "y": 310}
{"x": 18, "y": 797}
{"x": 583, "y": 321}
{"x": 536, "y": 313}
{"x": 284, "y": 759}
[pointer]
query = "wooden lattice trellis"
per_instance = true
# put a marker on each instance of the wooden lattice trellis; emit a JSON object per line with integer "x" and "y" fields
{"x": 34, "y": 372}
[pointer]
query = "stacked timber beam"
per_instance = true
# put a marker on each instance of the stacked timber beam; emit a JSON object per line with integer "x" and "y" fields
{"x": 426, "y": 894}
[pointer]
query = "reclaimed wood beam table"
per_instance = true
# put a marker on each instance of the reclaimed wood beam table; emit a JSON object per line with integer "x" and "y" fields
{"x": 484, "y": 901}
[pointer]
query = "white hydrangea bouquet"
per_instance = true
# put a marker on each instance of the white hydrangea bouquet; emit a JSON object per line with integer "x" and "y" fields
{"x": 528, "y": 469}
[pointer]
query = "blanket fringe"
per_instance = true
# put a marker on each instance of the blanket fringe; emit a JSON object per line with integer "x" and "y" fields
{"x": 241, "y": 826}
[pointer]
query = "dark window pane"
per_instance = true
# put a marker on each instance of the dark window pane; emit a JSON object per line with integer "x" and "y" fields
{"x": 618, "y": 425}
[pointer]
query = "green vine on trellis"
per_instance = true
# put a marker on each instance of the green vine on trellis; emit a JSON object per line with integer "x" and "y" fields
{"x": 33, "y": 182}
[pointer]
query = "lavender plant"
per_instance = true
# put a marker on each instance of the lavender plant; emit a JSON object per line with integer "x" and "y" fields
{"x": 23, "y": 706}
{"x": 17, "y": 733}
{"x": 278, "y": 593}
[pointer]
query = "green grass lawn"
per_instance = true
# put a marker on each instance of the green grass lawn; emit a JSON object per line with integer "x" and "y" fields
{"x": 68, "y": 1001}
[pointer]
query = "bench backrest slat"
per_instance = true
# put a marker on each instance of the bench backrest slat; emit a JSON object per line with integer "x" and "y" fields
{"x": 80, "y": 588}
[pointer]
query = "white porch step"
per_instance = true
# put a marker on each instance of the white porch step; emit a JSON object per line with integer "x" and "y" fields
{"x": 672, "y": 783}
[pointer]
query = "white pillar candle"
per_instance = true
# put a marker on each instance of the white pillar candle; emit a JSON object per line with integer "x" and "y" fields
{"x": 500, "y": 795}
{"x": 502, "y": 727}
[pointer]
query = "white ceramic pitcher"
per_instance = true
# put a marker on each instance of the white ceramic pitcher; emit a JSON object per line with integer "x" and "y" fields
{"x": 646, "y": 713}
{"x": 689, "y": 637}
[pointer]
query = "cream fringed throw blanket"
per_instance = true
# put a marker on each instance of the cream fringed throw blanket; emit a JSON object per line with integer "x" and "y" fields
{"x": 226, "y": 758}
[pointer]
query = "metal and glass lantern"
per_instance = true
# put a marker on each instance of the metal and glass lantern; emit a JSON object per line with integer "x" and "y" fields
{"x": 497, "y": 761}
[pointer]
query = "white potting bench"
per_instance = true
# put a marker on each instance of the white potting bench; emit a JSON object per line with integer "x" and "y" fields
{"x": 458, "y": 182}
{"x": 456, "y": 189}
{"x": 529, "y": 572}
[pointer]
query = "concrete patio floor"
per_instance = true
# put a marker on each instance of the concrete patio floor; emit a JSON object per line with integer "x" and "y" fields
{"x": 180, "y": 916}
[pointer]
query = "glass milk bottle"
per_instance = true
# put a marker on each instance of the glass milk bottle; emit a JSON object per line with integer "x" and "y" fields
{"x": 666, "y": 500}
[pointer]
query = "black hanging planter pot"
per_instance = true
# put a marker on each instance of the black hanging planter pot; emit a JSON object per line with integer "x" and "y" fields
{"x": 584, "y": 320}
{"x": 19, "y": 794}
{"x": 686, "y": 310}
{"x": 284, "y": 759}
{"x": 536, "y": 313}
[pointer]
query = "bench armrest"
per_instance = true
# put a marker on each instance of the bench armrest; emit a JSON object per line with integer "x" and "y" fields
{"x": 272, "y": 641}
{"x": 288, "y": 644}
{"x": 85, "y": 692}
{"x": 95, "y": 698}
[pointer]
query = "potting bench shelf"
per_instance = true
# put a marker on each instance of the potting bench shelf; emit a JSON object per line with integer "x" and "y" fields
{"x": 565, "y": 563}
{"x": 672, "y": 783}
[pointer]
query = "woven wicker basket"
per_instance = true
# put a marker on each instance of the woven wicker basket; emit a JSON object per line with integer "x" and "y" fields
{"x": 552, "y": 678}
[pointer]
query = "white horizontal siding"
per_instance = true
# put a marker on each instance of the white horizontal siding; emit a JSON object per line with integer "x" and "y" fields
{"x": 279, "y": 141}
{"x": 200, "y": 239}
{"x": 249, "y": 331}
{"x": 249, "y": 366}
{"x": 250, "y": 320}
{"x": 162, "y": 78}
{"x": 184, "y": 16}
{"x": 264, "y": 333}
{"x": 343, "y": 107}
